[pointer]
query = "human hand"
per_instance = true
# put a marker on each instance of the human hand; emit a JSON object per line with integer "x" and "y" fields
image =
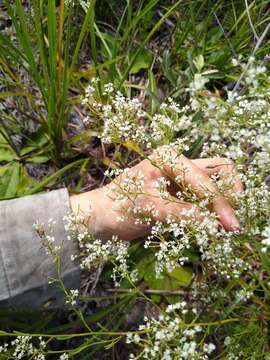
{"x": 135, "y": 194}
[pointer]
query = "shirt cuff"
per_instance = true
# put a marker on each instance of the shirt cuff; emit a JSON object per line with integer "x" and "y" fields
{"x": 25, "y": 267}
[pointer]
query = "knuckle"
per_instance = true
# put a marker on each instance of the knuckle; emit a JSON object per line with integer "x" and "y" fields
{"x": 154, "y": 173}
{"x": 227, "y": 164}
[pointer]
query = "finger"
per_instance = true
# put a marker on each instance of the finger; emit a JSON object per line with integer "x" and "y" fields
{"x": 198, "y": 179}
{"x": 224, "y": 167}
{"x": 185, "y": 171}
{"x": 166, "y": 209}
{"x": 188, "y": 173}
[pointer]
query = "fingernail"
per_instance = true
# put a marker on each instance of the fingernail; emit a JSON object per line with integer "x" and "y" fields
{"x": 235, "y": 224}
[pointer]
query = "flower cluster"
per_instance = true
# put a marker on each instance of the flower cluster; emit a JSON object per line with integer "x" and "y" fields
{"x": 83, "y": 3}
{"x": 170, "y": 120}
{"x": 22, "y": 346}
{"x": 46, "y": 234}
{"x": 236, "y": 128}
{"x": 95, "y": 252}
{"x": 122, "y": 117}
{"x": 228, "y": 265}
{"x": 252, "y": 71}
{"x": 168, "y": 337}
{"x": 72, "y": 297}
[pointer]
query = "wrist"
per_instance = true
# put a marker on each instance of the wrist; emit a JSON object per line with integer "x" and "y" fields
{"x": 95, "y": 209}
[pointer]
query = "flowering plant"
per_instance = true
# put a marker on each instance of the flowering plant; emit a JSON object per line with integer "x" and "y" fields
{"x": 220, "y": 275}
{"x": 207, "y": 288}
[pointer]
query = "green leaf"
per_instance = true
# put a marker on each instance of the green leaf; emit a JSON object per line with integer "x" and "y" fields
{"x": 145, "y": 264}
{"x": 108, "y": 41}
{"x": 13, "y": 180}
{"x": 39, "y": 159}
{"x": 6, "y": 151}
{"x": 183, "y": 275}
{"x": 168, "y": 69}
{"x": 152, "y": 89}
{"x": 5, "y": 174}
{"x": 180, "y": 276}
{"x": 36, "y": 150}
{"x": 142, "y": 61}
{"x": 199, "y": 62}
{"x": 7, "y": 154}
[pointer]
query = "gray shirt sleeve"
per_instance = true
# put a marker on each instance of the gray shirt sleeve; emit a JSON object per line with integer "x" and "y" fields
{"x": 25, "y": 266}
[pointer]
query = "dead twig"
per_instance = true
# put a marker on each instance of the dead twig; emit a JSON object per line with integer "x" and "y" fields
{"x": 149, "y": 291}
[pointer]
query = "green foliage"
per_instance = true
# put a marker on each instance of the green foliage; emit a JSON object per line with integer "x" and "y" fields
{"x": 45, "y": 48}
{"x": 13, "y": 180}
{"x": 42, "y": 50}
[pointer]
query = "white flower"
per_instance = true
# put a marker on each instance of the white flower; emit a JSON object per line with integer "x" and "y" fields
{"x": 209, "y": 348}
{"x": 64, "y": 356}
{"x": 198, "y": 82}
{"x": 266, "y": 238}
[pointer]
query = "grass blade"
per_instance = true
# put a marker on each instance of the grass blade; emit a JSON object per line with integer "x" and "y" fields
{"x": 147, "y": 38}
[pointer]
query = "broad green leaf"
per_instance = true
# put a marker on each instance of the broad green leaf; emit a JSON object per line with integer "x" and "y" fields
{"x": 142, "y": 61}
{"x": 168, "y": 69}
{"x": 146, "y": 40}
{"x": 27, "y": 150}
{"x": 182, "y": 274}
{"x": 9, "y": 180}
{"x": 199, "y": 62}
{"x": 6, "y": 151}
{"x": 13, "y": 180}
{"x": 108, "y": 41}
{"x": 7, "y": 154}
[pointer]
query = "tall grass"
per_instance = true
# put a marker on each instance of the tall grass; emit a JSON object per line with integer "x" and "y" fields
{"x": 42, "y": 48}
